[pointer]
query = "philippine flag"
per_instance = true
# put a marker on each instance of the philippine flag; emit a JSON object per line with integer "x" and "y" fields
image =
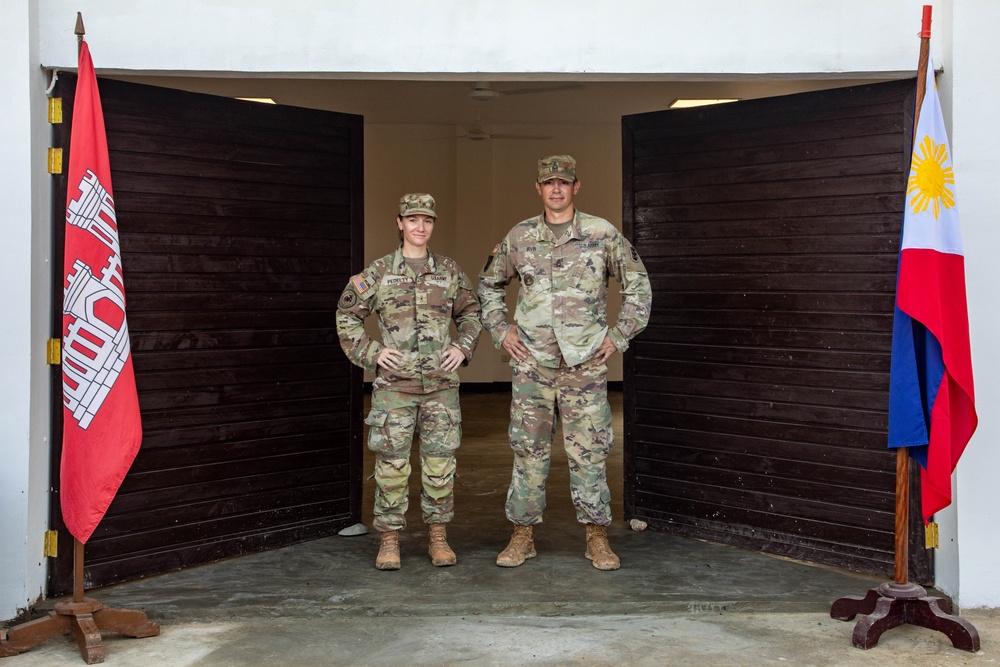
{"x": 931, "y": 396}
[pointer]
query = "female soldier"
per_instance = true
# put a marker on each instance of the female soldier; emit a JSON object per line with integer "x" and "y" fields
{"x": 416, "y": 295}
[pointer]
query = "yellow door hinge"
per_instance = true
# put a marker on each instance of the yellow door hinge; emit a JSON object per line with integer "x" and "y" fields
{"x": 55, "y": 110}
{"x": 931, "y": 540}
{"x": 55, "y": 160}
{"x": 53, "y": 352}
{"x": 51, "y": 544}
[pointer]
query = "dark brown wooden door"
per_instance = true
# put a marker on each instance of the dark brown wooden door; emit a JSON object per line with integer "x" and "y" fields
{"x": 240, "y": 223}
{"x": 756, "y": 401}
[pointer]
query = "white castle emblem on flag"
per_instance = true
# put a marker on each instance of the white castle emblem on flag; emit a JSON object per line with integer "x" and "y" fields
{"x": 95, "y": 345}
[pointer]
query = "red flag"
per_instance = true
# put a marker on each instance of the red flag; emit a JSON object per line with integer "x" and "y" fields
{"x": 101, "y": 425}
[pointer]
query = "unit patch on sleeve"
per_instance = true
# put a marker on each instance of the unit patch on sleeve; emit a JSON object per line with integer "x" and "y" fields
{"x": 632, "y": 259}
{"x": 489, "y": 260}
{"x": 347, "y": 299}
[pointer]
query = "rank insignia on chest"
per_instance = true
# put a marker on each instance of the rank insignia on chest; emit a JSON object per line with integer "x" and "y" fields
{"x": 360, "y": 284}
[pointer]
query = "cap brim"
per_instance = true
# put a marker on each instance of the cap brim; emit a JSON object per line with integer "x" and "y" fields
{"x": 561, "y": 177}
{"x": 419, "y": 211}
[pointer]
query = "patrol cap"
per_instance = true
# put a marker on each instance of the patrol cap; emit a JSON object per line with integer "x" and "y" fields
{"x": 562, "y": 167}
{"x": 417, "y": 203}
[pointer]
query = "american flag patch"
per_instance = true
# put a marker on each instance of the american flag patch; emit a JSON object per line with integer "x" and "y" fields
{"x": 496, "y": 249}
{"x": 360, "y": 284}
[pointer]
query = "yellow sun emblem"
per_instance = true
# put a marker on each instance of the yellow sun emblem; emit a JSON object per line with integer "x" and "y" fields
{"x": 930, "y": 178}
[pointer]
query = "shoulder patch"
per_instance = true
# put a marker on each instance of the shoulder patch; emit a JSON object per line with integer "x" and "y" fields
{"x": 358, "y": 288}
{"x": 347, "y": 299}
{"x": 360, "y": 284}
{"x": 632, "y": 259}
{"x": 489, "y": 260}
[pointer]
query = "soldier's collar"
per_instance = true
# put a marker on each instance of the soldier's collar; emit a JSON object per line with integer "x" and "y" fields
{"x": 574, "y": 227}
{"x": 399, "y": 265}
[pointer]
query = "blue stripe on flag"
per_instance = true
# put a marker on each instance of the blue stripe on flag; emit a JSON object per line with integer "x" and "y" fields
{"x": 914, "y": 377}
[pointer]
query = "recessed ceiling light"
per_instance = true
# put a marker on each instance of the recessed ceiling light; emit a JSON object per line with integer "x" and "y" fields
{"x": 686, "y": 103}
{"x": 262, "y": 100}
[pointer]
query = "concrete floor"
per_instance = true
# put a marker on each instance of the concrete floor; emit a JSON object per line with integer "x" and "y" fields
{"x": 675, "y": 601}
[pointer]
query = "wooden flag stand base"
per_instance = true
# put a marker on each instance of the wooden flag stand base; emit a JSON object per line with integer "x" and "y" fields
{"x": 86, "y": 618}
{"x": 892, "y": 604}
{"x": 897, "y": 602}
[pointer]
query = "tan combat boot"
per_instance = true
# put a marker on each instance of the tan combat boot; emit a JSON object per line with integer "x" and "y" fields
{"x": 440, "y": 553}
{"x": 388, "y": 551}
{"x": 520, "y": 548}
{"x": 598, "y": 550}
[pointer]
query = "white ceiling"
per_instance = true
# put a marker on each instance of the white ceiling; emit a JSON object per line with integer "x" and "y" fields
{"x": 448, "y": 102}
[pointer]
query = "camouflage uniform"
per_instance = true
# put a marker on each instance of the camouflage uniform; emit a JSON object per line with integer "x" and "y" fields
{"x": 561, "y": 317}
{"x": 414, "y": 316}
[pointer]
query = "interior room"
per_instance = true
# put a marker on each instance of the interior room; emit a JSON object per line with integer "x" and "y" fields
{"x": 474, "y": 144}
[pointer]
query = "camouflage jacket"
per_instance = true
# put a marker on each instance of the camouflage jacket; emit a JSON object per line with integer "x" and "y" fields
{"x": 561, "y": 310}
{"x": 414, "y": 316}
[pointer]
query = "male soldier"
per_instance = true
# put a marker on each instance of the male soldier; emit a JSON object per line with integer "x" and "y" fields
{"x": 559, "y": 344}
{"x": 416, "y": 295}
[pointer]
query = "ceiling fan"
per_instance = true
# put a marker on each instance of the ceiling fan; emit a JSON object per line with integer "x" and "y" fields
{"x": 476, "y": 132}
{"x": 483, "y": 92}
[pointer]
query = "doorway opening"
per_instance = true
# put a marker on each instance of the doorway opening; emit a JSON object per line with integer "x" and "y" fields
{"x": 477, "y": 157}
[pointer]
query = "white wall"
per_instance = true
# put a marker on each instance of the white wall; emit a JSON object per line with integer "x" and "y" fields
{"x": 975, "y": 140}
{"x": 592, "y": 36}
{"x": 24, "y": 458}
{"x": 711, "y": 39}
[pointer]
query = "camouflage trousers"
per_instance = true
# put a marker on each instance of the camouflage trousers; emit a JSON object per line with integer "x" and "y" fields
{"x": 392, "y": 422}
{"x": 579, "y": 396}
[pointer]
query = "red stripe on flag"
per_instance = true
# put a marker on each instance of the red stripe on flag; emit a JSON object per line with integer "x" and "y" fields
{"x": 931, "y": 290}
{"x": 953, "y": 421}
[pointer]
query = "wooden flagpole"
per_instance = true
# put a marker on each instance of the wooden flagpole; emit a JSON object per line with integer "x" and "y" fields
{"x": 84, "y": 617}
{"x": 899, "y": 602}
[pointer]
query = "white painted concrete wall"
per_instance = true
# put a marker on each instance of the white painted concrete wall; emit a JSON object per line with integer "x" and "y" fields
{"x": 446, "y": 39}
{"x": 448, "y": 36}
{"x": 24, "y": 391}
{"x": 974, "y": 83}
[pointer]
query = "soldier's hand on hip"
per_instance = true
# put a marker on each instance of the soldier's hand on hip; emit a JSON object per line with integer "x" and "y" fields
{"x": 389, "y": 359}
{"x": 606, "y": 349}
{"x": 452, "y": 358}
{"x": 513, "y": 345}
